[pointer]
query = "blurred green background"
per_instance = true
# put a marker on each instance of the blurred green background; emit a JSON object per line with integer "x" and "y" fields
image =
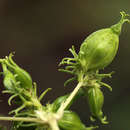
{"x": 42, "y": 31}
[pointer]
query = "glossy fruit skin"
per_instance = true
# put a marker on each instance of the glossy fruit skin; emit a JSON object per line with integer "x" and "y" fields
{"x": 98, "y": 49}
{"x": 95, "y": 100}
{"x": 71, "y": 121}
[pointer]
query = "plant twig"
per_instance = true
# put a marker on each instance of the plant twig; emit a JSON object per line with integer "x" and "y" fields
{"x": 68, "y": 100}
{"x": 25, "y": 119}
{"x": 53, "y": 124}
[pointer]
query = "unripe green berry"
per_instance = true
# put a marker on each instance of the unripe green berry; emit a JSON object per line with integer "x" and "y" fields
{"x": 99, "y": 49}
{"x": 96, "y": 100}
{"x": 71, "y": 121}
{"x": 21, "y": 75}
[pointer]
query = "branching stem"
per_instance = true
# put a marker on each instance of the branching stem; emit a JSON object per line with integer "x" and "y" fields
{"x": 25, "y": 119}
{"x": 53, "y": 124}
{"x": 68, "y": 100}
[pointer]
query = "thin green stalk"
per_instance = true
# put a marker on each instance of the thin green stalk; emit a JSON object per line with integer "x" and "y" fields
{"x": 68, "y": 100}
{"x": 25, "y": 119}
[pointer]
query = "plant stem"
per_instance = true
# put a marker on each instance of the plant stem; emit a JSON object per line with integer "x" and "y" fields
{"x": 49, "y": 118}
{"x": 68, "y": 100}
{"x": 26, "y": 119}
{"x": 53, "y": 124}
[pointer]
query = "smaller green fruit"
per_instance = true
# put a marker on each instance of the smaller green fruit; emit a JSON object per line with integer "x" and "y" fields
{"x": 96, "y": 100}
{"x": 71, "y": 121}
{"x": 21, "y": 75}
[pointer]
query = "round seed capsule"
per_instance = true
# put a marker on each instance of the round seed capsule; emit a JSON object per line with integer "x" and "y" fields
{"x": 99, "y": 49}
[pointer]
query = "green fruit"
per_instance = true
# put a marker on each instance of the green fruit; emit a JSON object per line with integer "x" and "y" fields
{"x": 99, "y": 49}
{"x": 96, "y": 100}
{"x": 71, "y": 121}
{"x": 21, "y": 75}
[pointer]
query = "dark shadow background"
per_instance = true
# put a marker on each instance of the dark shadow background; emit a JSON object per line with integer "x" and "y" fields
{"x": 42, "y": 31}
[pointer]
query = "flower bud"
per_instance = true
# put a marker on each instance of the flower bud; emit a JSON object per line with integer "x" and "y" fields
{"x": 21, "y": 75}
{"x": 99, "y": 49}
{"x": 96, "y": 100}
